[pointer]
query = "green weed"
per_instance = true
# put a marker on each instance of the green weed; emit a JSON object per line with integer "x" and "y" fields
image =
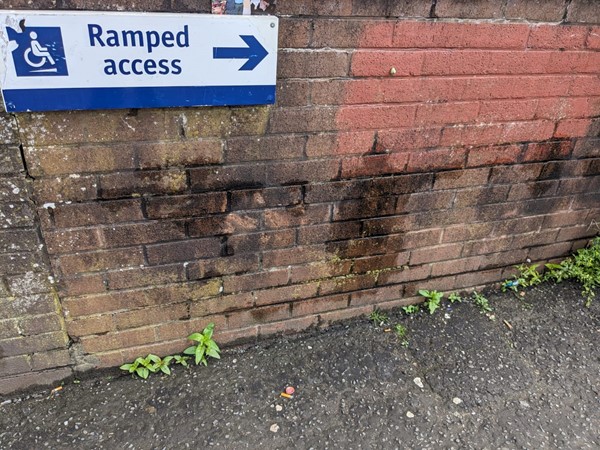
{"x": 455, "y": 298}
{"x": 527, "y": 276}
{"x": 401, "y": 333}
{"x": 205, "y": 346}
{"x": 411, "y": 309}
{"x": 434, "y": 298}
{"x": 481, "y": 302}
{"x": 378, "y": 317}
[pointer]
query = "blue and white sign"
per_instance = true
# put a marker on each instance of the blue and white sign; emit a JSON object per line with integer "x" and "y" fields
{"x": 63, "y": 60}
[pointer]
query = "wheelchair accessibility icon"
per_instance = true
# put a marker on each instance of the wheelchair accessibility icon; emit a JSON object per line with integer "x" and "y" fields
{"x": 39, "y": 51}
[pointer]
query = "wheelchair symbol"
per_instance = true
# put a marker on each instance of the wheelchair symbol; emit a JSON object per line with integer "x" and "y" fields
{"x": 41, "y": 53}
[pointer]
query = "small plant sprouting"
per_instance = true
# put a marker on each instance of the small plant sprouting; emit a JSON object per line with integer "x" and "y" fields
{"x": 142, "y": 367}
{"x": 205, "y": 346}
{"x": 455, "y": 298}
{"x": 378, "y": 317}
{"x": 434, "y": 298}
{"x": 411, "y": 309}
{"x": 179, "y": 359}
{"x": 401, "y": 332}
{"x": 527, "y": 276}
{"x": 481, "y": 302}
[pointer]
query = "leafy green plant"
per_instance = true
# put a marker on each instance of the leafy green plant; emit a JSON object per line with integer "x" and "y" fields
{"x": 205, "y": 345}
{"x": 401, "y": 332}
{"x": 455, "y": 298}
{"x": 527, "y": 276}
{"x": 411, "y": 309}
{"x": 434, "y": 298}
{"x": 378, "y": 317}
{"x": 583, "y": 266}
{"x": 142, "y": 367}
{"x": 481, "y": 302}
{"x": 179, "y": 359}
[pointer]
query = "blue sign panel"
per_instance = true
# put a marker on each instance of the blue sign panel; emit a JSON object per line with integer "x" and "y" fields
{"x": 81, "y": 60}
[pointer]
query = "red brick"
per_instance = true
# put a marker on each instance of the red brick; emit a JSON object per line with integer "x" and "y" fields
{"x": 295, "y": 255}
{"x": 347, "y": 284}
{"x": 562, "y": 219}
{"x": 312, "y": 64}
{"x": 585, "y": 85}
{"x": 467, "y": 232}
{"x": 570, "y": 128}
{"x": 311, "y": 8}
{"x": 328, "y": 232}
{"x": 389, "y": 225}
{"x": 582, "y": 107}
{"x": 436, "y": 159}
{"x": 456, "y": 266}
{"x": 238, "y": 283}
{"x": 288, "y": 326}
{"x": 266, "y": 198}
{"x": 593, "y": 39}
{"x": 181, "y": 251}
{"x": 229, "y": 265}
{"x": 217, "y": 225}
{"x": 296, "y": 216}
{"x": 141, "y": 233}
{"x": 493, "y": 155}
{"x": 487, "y": 246}
{"x": 380, "y": 263}
{"x": 329, "y": 318}
{"x": 376, "y": 296}
{"x": 540, "y": 10}
{"x": 344, "y": 33}
{"x": 479, "y": 278}
{"x": 256, "y": 316}
{"x": 319, "y": 305}
{"x": 507, "y": 110}
{"x": 557, "y": 37}
{"x": 545, "y": 151}
{"x": 548, "y": 252}
{"x": 481, "y": 196}
{"x": 342, "y": 143}
{"x": 461, "y": 178}
{"x": 378, "y": 63}
{"x": 222, "y": 304}
{"x": 482, "y": 9}
{"x": 286, "y": 293}
{"x": 407, "y": 139}
{"x": 249, "y": 148}
{"x": 122, "y": 339}
{"x": 446, "y": 113}
{"x": 573, "y": 62}
{"x": 460, "y": 35}
{"x": 336, "y": 190}
{"x": 367, "y": 246}
{"x": 302, "y": 172}
{"x": 192, "y": 152}
{"x": 50, "y": 360}
{"x": 319, "y": 270}
{"x": 434, "y": 254}
{"x": 374, "y": 165}
{"x": 404, "y": 275}
{"x": 149, "y": 316}
{"x": 254, "y": 242}
{"x": 81, "y": 285}
{"x": 294, "y": 33}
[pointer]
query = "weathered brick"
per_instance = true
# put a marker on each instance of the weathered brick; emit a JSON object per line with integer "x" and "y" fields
{"x": 228, "y": 177}
{"x": 293, "y": 92}
{"x": 461, "y": 178}
{"x": 12, "y": 241}
{"x": 515, "y": 174}
{"x": 74, "y": 188}
{"x": 463, "y": 9}
{"x": 436, "y": 159}
{"x": 28, "y": 283}
{"x": 312, "y": 64}
{"x": 238, "y": 283}
{"x": 481, "y": 196}
{"x": 296, "y": 216}
{"x": 145, "y": 276}
{"x": 549, "y": 252}
{"x": 319, "y": 270}
{"x": 24, "y": 345}
{"x": 404, "y": 275}
{"x": 257, "y": 316}
{"x": 407, "y": 139}
{"x": 460, "y": 35}
{"x": 343, "y": 33}
{"x": 140, "y": 233}
{"x": 86, "y": 326}
{"x": 186, "y": 250}
{"x": 376, "y": 296}
{"x": 121, "y": 5}
{"x": 102, "y": 260}
{"x": 288, "y": 326}
{"x": 9, "y": 328}
{"x": 16, "y": 215}
{"x": 10, "y": 160}
{"x": 229, "y": 265}
{"x": 189, "y": 152}
{"x": 527, "y": 191}
{"x": 186, "y": 205}
{"x": 328, "y": 232}
{"x": 78, "y": 214}
{"x": 302, "y": 172}
{"x": 222, "y": 304}
{"x": 265, "y": 148}
{"x": 150, "y": 316}
{"x": 319, "y": 305}
{"x": 538, "y": 10}
{"x": 9, "y": 133}
{"x": 294, "y": 32}
{"x": 254, "y": 242}
{"x": 367, "y": 246}
{"x": 50, "y": 360}
{"x": 295, "y": 255}
{"x": 118, "y": 340}
{"x": 136, "y": 184}
{"x": 233, "y": 223}
{"x": 432, "y": 254}
{"x": 82, "y": 284}
{"x": 364, "y": 208}
{"x": 15, "y": 365}
{"x": 467, "y": 232}
{"x": 569, "y": 128}
{"x": 286, "y": 293}
{"x": 544, "y": 151}
{"x": 374, "y": 165}
{"x": 583, "y": 11}
{"x": 593, "y": 39}
{"x": 380, "y": 263}
{"x": 26, "y": 305}
{"x": 268, "y": 197}
{"x": 296, "y": 120}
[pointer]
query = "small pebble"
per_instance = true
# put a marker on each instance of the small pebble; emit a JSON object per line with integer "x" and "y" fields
{"x": 274, "y": 428}
{"x": 418, "y": 382}
{"x": 409, "y": 414}
{"x": 456, "y": 401}
{"x": 278, "y": 408}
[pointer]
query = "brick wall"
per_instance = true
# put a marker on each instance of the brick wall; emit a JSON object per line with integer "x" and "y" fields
{"x": 407, "y": 150}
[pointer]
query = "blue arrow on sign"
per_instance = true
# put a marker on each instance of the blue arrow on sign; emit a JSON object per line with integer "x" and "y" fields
{"x": 254, "y": 53}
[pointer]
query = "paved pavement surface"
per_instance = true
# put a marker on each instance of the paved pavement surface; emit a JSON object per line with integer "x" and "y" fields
{"x": 528, "y": 379}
